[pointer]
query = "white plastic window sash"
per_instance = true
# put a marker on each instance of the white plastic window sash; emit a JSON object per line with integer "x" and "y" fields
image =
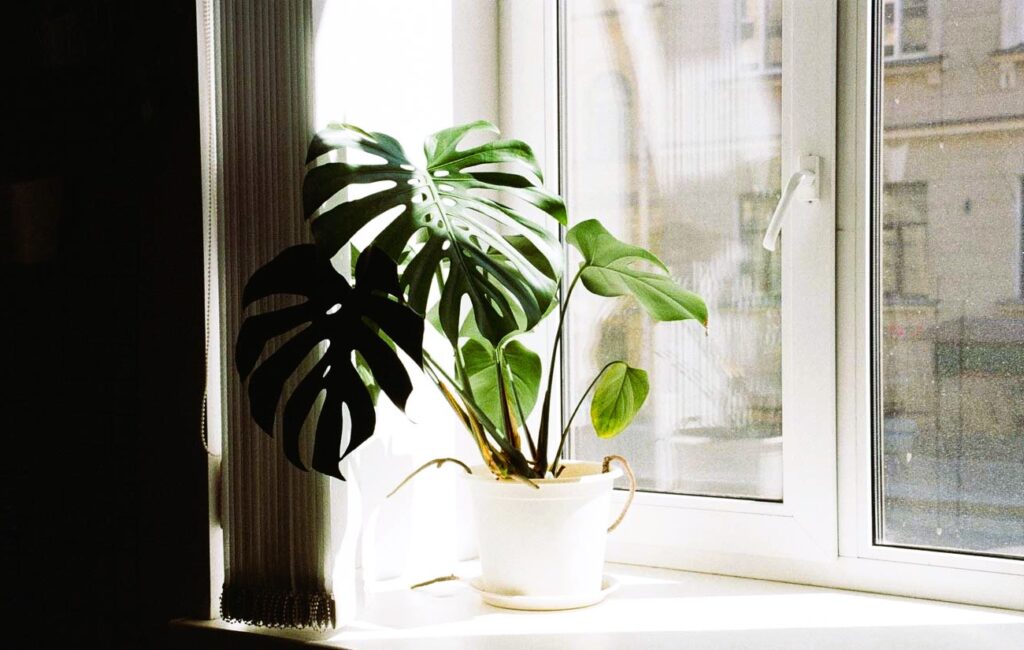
{"x": 804, "y": 524}
{"x": 821, "y": 534}
{"x": 862, "y": 564}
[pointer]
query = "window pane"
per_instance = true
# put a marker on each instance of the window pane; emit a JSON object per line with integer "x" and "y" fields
{"x": 681, "y": 155}
{"x": 951, "y": 370}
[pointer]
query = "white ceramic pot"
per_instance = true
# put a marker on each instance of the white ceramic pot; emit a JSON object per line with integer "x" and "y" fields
{"x": 543, "y": 542}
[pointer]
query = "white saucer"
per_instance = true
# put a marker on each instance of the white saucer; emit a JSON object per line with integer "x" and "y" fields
{"x": 544, "y": 603}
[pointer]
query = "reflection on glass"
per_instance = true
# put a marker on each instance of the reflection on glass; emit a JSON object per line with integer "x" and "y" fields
{"x": 914, "y": 32}
{"x": 889, "y": 28}
{"x": 759, "y": 34}
{"x": 951, "y": 450}
{"x": 673, "y": 141}
{"x": 905, "y": 27}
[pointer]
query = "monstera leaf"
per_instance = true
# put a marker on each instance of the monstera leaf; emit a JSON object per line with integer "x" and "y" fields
{"x": 350, "y": 321}
{"x": 452, "y": 219}
{"x": 608, "y": 270}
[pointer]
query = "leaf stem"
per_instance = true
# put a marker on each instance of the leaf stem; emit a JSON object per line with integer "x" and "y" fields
{"x": 435, "y": 581}
{"x": 541, "y": 458}
{"x": 435, "y": 367}
{"x": 507, "y": 422}
{"x": 438, "y": 462}
{"x": 522, "y": 416}
{"x": 568, "y": 423}
{"x": 513, "y": 456}
{"x": 460, "y": 366}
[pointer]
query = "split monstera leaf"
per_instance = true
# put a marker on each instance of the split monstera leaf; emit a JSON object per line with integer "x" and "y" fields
{"x": 469, "y": 243}
{"x": 355, "y": 330}
{"x": 445, "y": 219}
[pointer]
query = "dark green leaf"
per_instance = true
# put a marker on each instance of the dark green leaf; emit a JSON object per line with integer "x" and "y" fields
{"x": 448, "y": 219}
{"x": 358, "y": 360}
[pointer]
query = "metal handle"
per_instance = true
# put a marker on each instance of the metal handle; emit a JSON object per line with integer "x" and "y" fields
{"x": 804, "y": 183}
{"x": 605, "y": 466}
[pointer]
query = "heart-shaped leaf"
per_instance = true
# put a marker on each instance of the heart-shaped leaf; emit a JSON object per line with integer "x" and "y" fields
{"x": 351, "y": 321}
{"x": 607, "y": 270}
{"x": 524, "y": 370}
{"x": 451, "y": 218}
{"x": 618, "y": 396}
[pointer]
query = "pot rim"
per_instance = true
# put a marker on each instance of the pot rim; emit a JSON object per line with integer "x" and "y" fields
{"x": 482, "y": 473}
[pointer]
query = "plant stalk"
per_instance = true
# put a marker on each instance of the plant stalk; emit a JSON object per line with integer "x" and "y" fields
{"x": 568, "y": 423}
{"x": 522, "y": 420}
{"x": 513, "y": 457}
{"x": 507, "y": 421}
{"x": 438, "y": 462}
{"x": 541, "y": 457}
{"x": 433, "y": 581}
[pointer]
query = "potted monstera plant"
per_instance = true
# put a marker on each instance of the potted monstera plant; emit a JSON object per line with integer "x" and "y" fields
{"x": 469, "y": 245}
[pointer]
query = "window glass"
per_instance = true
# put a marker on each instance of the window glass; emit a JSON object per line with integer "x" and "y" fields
{"x": 761, "y": 269}
{"x": 685, "y": 162}
{"x": 759, "y": 34}
{"x": 773, "y": 34}
{"x": 950, "y": 442}
{"x": 914, "y": 35}
{"x": 905, "y": 27}
{"x": 1020, "y": 250}
{"x": 1012, "y": 24}
{"x": 889, "y": 28}
{"x": 905, "y": 240}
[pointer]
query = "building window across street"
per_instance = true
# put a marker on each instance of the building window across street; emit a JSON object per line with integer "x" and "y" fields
{"x": 906, "y": 28}
{"x": 905, "y": 240}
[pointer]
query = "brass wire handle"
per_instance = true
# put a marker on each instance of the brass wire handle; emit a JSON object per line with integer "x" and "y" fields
{"x": 605, "y": 466}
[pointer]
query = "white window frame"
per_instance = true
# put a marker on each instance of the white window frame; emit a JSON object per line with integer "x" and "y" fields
{"x": 822, "y": 533}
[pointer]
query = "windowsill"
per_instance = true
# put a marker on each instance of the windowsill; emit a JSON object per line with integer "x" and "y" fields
{"x": 652, "y": 608}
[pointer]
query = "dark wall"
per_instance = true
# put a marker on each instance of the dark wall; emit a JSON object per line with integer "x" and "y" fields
{"x": 103, "y": 492}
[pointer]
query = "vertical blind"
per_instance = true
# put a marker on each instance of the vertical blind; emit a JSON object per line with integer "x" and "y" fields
{"x": 256, "y": 86}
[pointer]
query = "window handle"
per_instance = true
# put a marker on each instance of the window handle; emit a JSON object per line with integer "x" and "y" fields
{"x": 803, "y": 186}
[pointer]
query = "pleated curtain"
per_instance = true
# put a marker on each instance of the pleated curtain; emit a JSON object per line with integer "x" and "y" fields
{"x": 255, "y": 76}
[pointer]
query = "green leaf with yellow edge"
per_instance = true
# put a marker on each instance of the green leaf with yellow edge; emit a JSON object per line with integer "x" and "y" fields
{"x": 618, "y": 396}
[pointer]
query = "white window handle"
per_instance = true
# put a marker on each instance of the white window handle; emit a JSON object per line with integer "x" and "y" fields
{"x": 802, "y": 185}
